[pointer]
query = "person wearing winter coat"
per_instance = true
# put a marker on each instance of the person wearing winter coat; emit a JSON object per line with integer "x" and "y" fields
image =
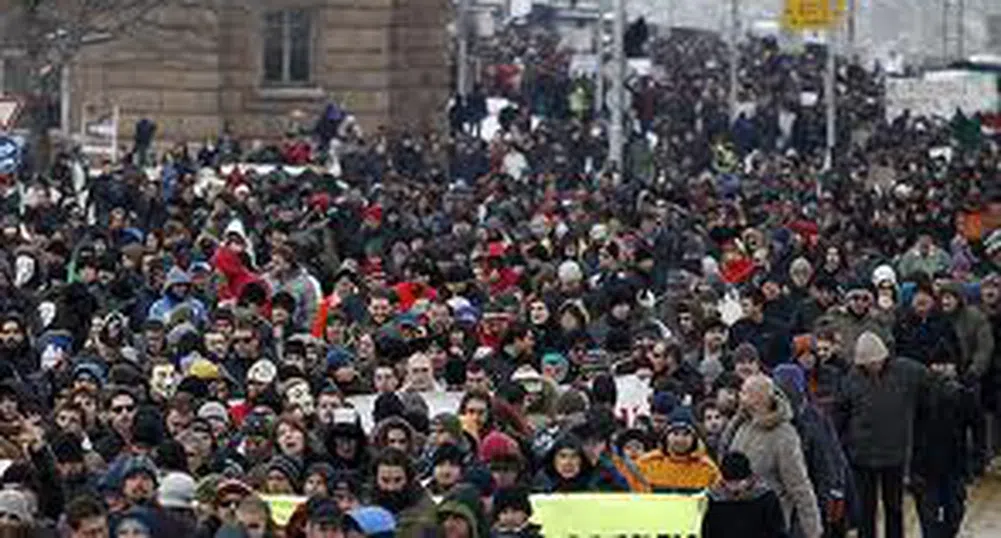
{"x": 742, "y": 505}
{"x": 397, "y": 489}
{"x": 874, "y": 416}
{"x": 511, "y": 512}
{"x": 922, "y": 327}
{"x": 596, "y": 436}
{"x": 568, "y": 470}
{"x": 762, "y": 429}
{"x": 176, "y": 295}
{"x": 288, "y": 275}
{"x": 826, "y": 464}
{"x": 678, "y": 465}
{"x": 976, "y": 341}
{"x": 938, "y": 465}
{"x": 857, "y": 315}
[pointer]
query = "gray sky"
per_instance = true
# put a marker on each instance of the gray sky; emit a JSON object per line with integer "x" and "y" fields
{"x": 909, "y": 26}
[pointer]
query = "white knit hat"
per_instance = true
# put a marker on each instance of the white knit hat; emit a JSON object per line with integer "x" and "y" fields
{"x": 870, "y": 349}
{"x": 884, "y": 273}
{"x": 570, "y": 272}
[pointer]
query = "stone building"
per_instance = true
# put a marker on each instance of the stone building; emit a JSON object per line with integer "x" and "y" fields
{"x": 255, "y": 65}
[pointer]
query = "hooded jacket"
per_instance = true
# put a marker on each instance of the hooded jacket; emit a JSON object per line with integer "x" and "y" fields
{"x": 354, "y": 431}
{"x": 547, "y": 480}
{"x": 976, "y": 337}
{"x": 772, "y": 445}
{"x": 237, "y": 276}
{"x": 874, "y": 415}
{"x": 169, "y": 303}
{"x": 456, "y": 508}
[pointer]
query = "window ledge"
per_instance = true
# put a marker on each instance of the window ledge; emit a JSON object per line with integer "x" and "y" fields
{"x": 291, "y": 93}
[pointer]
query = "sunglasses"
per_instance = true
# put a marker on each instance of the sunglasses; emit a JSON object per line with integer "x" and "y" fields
{"x": 119, "y": 409}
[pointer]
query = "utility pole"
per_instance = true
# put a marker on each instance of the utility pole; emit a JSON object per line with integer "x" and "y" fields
{"x": 599, "y": 52}
{"x": 734, "y": 56}
{"x": 462, "y": 34}
{"x": 852, "y": 6}
{"x": 615, "y": 133}
{"x": 829, "y": 94}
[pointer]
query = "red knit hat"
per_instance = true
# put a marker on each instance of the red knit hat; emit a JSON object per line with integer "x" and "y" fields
{"x": 497, "y": 444}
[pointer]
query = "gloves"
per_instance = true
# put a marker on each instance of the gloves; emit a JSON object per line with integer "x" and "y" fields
{"x": 835, "y": 510}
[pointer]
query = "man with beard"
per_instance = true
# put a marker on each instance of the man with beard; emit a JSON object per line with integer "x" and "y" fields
{"x": 70, "y": 465}
{"x": 397, "y": 489}
{"x": 15, "y": 349}
{"x": 857, "y": 316}
{"x": 139, "y": 481}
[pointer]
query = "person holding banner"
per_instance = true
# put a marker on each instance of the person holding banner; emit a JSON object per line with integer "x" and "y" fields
{"x": 679, "y": 464}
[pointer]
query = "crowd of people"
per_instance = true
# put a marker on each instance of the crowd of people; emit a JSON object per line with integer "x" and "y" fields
{"x": 177, "y": 346}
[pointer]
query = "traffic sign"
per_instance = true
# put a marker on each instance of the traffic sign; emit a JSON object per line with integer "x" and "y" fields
{"x": 10, "y": 155}
{"x": 812, "y": 14}
{"x": 10, "y": 110}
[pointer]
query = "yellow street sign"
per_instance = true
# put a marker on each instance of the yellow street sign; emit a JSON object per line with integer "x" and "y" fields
{"x": 812, "y": 14}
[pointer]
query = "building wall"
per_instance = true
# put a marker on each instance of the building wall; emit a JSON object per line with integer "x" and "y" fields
{"x": 200, "y": 68}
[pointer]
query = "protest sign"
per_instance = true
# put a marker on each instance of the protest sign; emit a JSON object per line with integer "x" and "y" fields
{"x": 620, "y": 514}
{"x": 282, "y": 507}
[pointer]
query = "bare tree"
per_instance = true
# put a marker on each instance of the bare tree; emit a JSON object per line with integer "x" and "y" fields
{"x": 50, "y": 34}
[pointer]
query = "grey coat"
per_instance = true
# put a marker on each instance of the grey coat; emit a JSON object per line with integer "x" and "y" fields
{"x": 875, "y": 415}
{"x": 976, "y": 341}
{"x": 772, "y": 445}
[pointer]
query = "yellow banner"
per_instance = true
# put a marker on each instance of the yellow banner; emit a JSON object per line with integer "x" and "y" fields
{"x": 282, "y": 507}
{"x": 613, "y": 514}
{"x": 812, "y": 14}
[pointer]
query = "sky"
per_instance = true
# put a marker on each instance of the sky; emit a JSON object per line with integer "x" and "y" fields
{"x": 912, "y": 27}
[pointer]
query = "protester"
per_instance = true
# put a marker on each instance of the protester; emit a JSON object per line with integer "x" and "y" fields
{"x": 741, "y": 504}
{"x": 417, "y": 330}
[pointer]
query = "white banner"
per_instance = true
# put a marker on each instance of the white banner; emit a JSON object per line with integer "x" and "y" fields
{"x": 940, "y": 94}
{"x": 633, "y": 401}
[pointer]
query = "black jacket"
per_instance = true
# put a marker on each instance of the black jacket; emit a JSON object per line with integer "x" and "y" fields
{"x": 916, "y": 338}
{"x": 757, "y": 514}
{"x": 940, "y": 432}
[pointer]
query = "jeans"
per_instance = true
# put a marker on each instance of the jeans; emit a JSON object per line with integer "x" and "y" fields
{"x": 869, "y": 481}
{"x": 941, "y": 504}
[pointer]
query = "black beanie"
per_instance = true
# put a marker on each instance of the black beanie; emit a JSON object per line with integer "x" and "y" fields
{"x": 147, "y": 430}
{"x": 735, "y": 466}
{"x": 66, "y": 447}
{"x": 387, "y": 405}
{"x": 512, "y": 499}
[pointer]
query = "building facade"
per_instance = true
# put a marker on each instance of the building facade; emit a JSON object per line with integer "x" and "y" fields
{"x": 258, "y": 67}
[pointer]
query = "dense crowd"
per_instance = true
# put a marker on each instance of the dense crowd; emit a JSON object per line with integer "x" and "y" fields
{"x": 177, "y": 344}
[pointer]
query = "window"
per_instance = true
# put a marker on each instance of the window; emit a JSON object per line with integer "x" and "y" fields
{"x": 287, "y": 47}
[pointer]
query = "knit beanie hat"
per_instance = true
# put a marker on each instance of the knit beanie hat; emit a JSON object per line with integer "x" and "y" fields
{"x": 512, "y": 499}
{"x": 681, "y": 418}
{"x": 387, "y": 405}
{"x": 870, "y": 349}
{"x": 790, "y": 377}
{"x": 287, "y": 467}
{"x": 569, "y": 272}
{"x": 496, "y": 444}
{"x": 735, "y": 466}
{"x": 663, "y": 403}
